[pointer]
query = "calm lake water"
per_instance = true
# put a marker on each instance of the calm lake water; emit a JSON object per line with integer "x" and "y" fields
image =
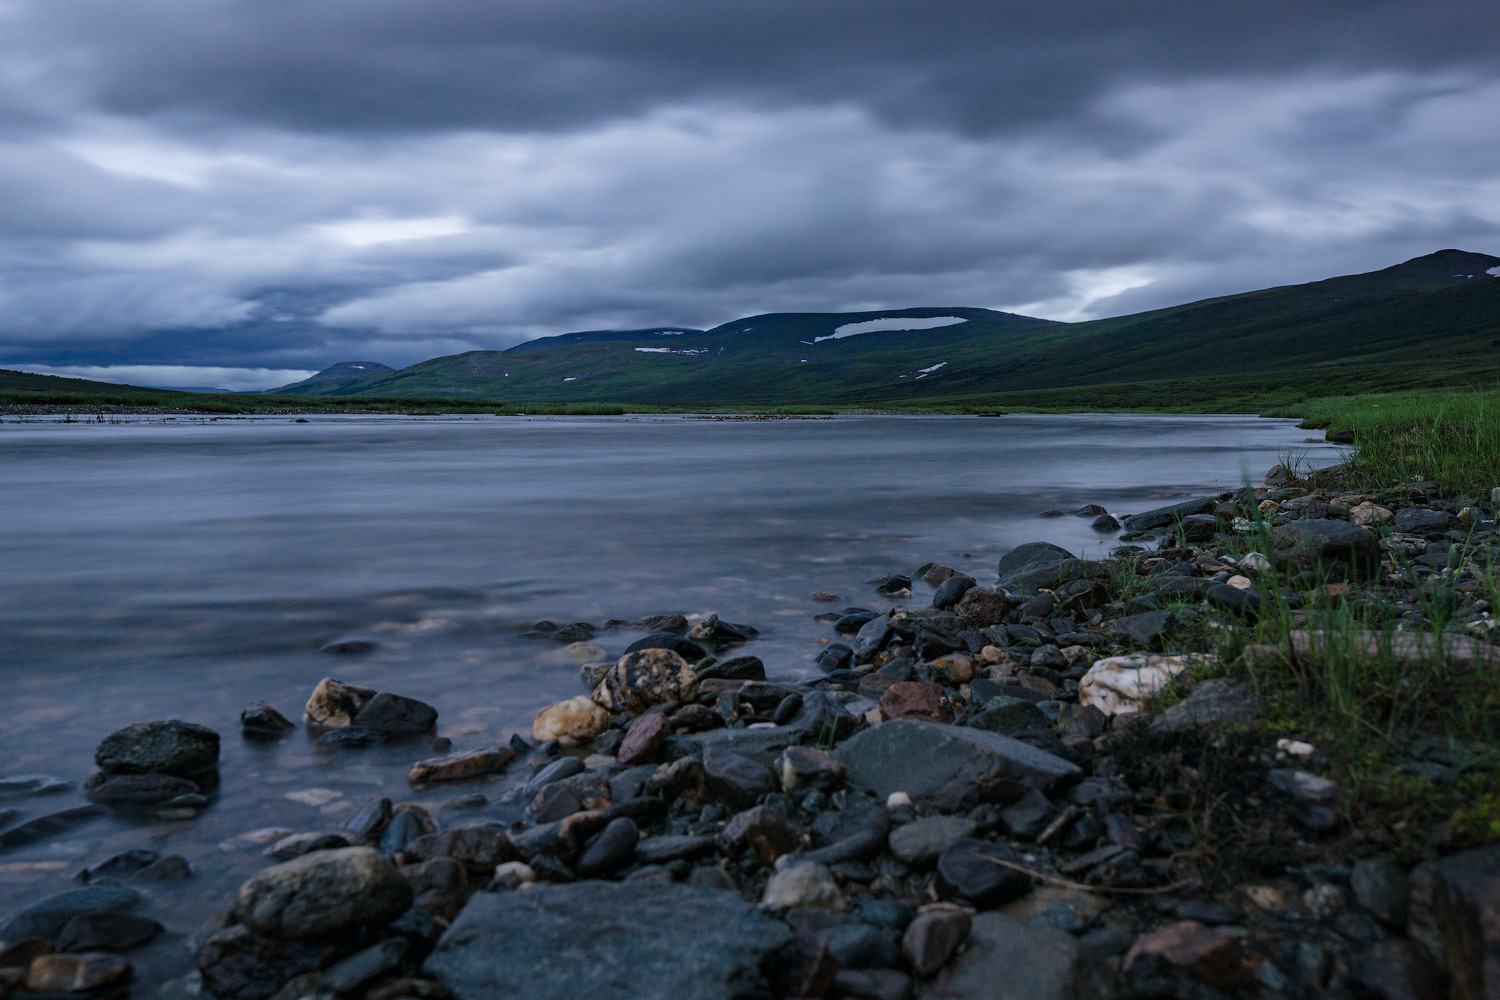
{"x": 185, "y": 568}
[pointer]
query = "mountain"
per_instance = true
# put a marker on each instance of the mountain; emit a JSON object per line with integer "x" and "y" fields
{"x": 1444, "y": 305}
{"x": 341, "y": 372}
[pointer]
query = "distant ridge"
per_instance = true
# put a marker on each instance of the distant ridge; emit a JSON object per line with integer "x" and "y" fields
{"x": 341, "y": 372}
{"x": 1439, "y": 308}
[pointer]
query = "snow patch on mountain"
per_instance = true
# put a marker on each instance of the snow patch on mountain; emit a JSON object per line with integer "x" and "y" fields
{"x": 890, "y": 323}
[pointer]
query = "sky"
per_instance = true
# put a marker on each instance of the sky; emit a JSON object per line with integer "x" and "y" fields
{"x": 237, "y": 193}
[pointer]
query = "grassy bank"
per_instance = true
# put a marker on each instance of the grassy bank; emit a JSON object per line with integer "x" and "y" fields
{"x": 1452, "y": 438}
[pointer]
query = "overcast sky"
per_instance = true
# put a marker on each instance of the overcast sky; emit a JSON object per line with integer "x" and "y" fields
{"x": 217, "y": 192}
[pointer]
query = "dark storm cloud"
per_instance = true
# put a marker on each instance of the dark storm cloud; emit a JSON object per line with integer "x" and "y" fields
{"x": 279, "y": 185}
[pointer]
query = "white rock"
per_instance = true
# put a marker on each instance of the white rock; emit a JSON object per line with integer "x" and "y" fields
{"x": 1254, "y": 562}
{"x": 897, "y": 800}
{"x": 1239, "y": 582}
{"x": 314, "y": 796}
{"x": 513, "y": 875}
{"x": 576, "y": 720}
{"x": 576, "y": 652}
{"x": 807, "y": 884}
{"x": 1295, "y": 748}
{"x": 1122, "y": 685}
{"x": 334, "y": 704}
{"x": 1369, "y": 515}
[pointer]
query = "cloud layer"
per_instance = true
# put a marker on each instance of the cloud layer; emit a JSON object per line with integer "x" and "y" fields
{"x": 276, "y": 186}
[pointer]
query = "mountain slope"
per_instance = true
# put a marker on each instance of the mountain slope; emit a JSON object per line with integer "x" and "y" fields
{"x": 1444, "y": 304}
{"x": 341, "y": 372}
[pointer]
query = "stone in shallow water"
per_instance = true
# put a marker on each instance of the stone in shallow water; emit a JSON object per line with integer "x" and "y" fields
{"x": 397, "y": 715}
{"x": 47, "y": 918}
{"x": 334, "y": 704}
{"x": 76, "y": 973}
{"x": 107, "y": 930}
{"x": 323, "y": 894}
{"x": 459, "y": 766}
{"x": 622, "y": 941}
{"x": 169, "y": 747}
{"x": 136, "y": 789}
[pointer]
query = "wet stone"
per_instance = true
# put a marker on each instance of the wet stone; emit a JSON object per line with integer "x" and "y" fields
{"x": 439, "y": 886}
{"x": 107, "y": 930}
{"x": 358, "y": 971}
{"x": 371, "y": 819}
{"x": 261, "y": 721}
{"x": 478, "y": 848}
{"x": 136, "y": 789}
{"x": 334, "y": 704}
{"x": 172, "y": 868}
{"x": 462, "y": 766}
{"x": 763, "y": 830}
{"x": 644, "y": 740}
{"x": 121, "y": 866}
{"x": 404, "y": 827}
{"x": 397, "y": 715}
{"x": 76, "y": 973}
{"x": 647, "y": 677}
{"x": 323, "y": 894}
{"x": 171, "y": 747}
{"x": 47, "y": 918}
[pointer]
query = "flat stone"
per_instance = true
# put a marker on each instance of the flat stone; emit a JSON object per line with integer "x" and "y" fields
{"x": 1004, "y": 959}
{"x": 397, "y": 715}
{"x": 1029, "y": 554}
{"x": 944, "y": 767}
{"x": 919, "y": 842}
{"x": 461, "y": 766}
{"x": 170, "y": 747}
{"x": 622, "y": 941}
{"x": 1416, "y": 520}
{"x": 660, "y": 850}
{"x": 121, "y": 866}
{"x": 47, "y": 918}
{"x": 1217, "y": 701}
{"x": 1027, "y": 817}
{"x": 1147, "y": 628}
{"x": 323, "y": 894}
{"x": 1165, "y": 517}
{"x": 357, "y": 971}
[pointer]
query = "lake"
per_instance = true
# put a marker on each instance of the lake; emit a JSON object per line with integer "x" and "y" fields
{"x": 155, "y": 568}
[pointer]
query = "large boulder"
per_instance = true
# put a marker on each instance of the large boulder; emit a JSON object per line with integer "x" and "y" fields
{"x": 170, "y": 747}
{"x": 323, "y": 894}
{"x": 948, "y": 767}
{"x": 608, "y": 941}
{"x": 1005, "y": 959}
{"x": 1331, "y": 547}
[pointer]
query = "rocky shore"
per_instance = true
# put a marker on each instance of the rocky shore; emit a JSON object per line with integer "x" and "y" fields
{"x": 1057, "y": 783}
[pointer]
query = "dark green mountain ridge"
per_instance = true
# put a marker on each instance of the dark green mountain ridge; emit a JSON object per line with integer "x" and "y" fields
{"x": 1444, "y": 305}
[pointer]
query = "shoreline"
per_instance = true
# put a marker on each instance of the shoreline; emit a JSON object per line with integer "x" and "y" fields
{"x": 923, "y": 794}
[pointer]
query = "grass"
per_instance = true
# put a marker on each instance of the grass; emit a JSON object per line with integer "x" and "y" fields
{"x": 1451, "y": 438}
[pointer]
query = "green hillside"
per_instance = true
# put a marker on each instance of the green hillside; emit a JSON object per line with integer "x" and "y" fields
{"x": 1440, "y": 312}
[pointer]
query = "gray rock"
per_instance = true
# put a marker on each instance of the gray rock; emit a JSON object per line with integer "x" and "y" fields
{"x": 919, "y": 842}
{"x": 945, "y": 767}
{"x": 357, "y": 971}
{"x": 563, "y": 767}
{"x": 107, "y": 930}
{"x": 1146, "y": 629}
{"x": 735, "y": 778}
{"x": 47, "y": 918}
{"x": 952, "y": 590}
{"x": 622, "y": 941}
{"x": 261, "y": 721}
{"x": 1220, "y": 700}
{"x": 397, "y": 715}
{"x": 872, "y": 984}
{"x": 968, "y": 872}
{"x": 612, "y": 849}
{"x": 371, "y": 819}
{"x": 933, "y": 938}
{"x": 404, "y": 827}
{"x": 323, "y": 894}
{"x": 169, "y": 747}
{"x": 660, "y": 850}
{"x": 1417, "y": 520}
{"x": 18, "y": 786}
{"x": 172, "y": 868}
{"x": 1199, "y": 528}
{"x": 1241, "y": 603}
{"x": 1455, "y": 917}
{"x": 1165, "y": 517}
{"x": 1030, "y": 554}
{"x": 1007, "y": 960}
{"x": 1327, "y": 546}
{"x": 1383, "y": 889}
{"x": 1027, "y": 817}
{"x": 1003, "y": 714}
{"x": 120, "y": 866}
{"x": 872, "y": 635}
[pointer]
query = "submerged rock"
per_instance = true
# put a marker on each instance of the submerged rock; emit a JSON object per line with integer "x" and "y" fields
{"x": 334, "y": 704}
